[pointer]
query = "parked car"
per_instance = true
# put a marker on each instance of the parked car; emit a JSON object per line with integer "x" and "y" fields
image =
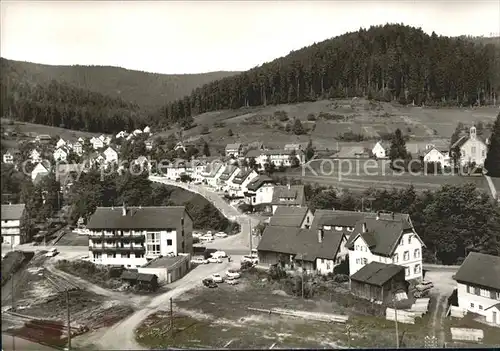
{"x": 199, "y": 260}
{"x": 197, "y": 235}
{"x": 232, "y": 274}
{"x": 52, "y": 252}
{"x": 209, "y": 283}
{"x": 220, "y": 254}
{"x": 252, "y": 259}
{"x": 214, "y": 260}
{"x": 206, "y": 239}
{"x": 221, "y": 235}
{"x": 209, "y": 233}
{"x": 217, "y": 278}
{"x": 424, "y": 285}
{"x": 232, "y": 281}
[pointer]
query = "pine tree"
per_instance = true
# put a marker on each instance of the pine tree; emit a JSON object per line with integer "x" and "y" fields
{"x": 230, "y": 133}
{"x": 492, "y": 163}
{"x": 398, "y": 147}
{"x": 309, "y": 151}
{"x": 298, "y": 129}
{"x": 206, "y": 149}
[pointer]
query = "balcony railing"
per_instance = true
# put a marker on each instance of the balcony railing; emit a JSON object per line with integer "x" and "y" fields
{"x": 127, "y": 248}
{"x": 117, "y": 235}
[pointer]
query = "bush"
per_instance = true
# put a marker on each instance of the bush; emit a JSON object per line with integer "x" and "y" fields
{"x": 245, "y": 208}
{"x": 276, "y": 272}
{"x": 311, "y": 117}
{"x": 282, "y": 116}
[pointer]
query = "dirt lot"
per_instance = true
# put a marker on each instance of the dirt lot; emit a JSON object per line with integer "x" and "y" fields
{"x": 73, "y": 239}
{"x": 215, "y": 317}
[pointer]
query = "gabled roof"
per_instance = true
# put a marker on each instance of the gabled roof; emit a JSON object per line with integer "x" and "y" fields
{"x": 39, "y": 177}
{"x": 301, "y": 242}
{"x": 480, "y": 269}
{"x": 12, "y": 212}
{"x": 235, "y": 146}
{"x": 336, "y": 218}
{"x": 242, "y": 176}
{"x": 253, "y": 153}
{"x": 212, "y": 170}
{"x": 288, "y": 216}
{"x": 258, "y": 182}
{"x": 464, "y": 138}
{"x": 377, "y": 273}
{"x": 161, "y": 217}
{"x": 295, "y": 193}
{"x": 382, "y": 235}
{"x": 228, "y": 172}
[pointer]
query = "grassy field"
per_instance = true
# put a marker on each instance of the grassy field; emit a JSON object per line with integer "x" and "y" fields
{"x": 220, "y": 318}
{"x": 22, "y": 127}
{"x": 362, "y": 174}
{"x": 371, "y": 119}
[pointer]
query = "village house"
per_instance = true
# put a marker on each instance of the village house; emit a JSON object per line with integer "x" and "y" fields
{"x": 60, "y": 143}
{"x": 234, "y": 150}
{"x": 279, "y": 157}
{"x": 143, "y": 162}
{"x": 433, "y": 155}
{"x": 121, "y": 134}
{"x": 60, "y": 154}
{"x": 259, "y": 191}
{"x": 43, "y": 138}
{"x": 97, "y": 143}
{"x": 174, "y": 170}
{"x": 8, "y": 156}
{"x": 379, "y": 282}
{"x": 167, "y": 269}
{"x": 288, "y": 195}
{"x": 230, "y": 171}
{"x": 212, "y": 173}
{"x": 132, "y": 236}
{"x": 238, "y": 186}
{"x": 137, "y": 132}
{"x": 78, "y": 148}
{"x": 316, "y": 252}
{"x": 386, "y": 238}
{"x": 296, "y": 217}
{"x": 39, "y": 172}
{"x": 148, "y": 144}
{"x": 12, "y": 222}
{"x": 470, "y": 149}
{"x": 147, "y": 130}
{"x": 290, "y": 147}
{"x": 478, "y": 286}
{"x": 344, "y": 221}
{"x": 110, "y": 155}
{"x": 35, "y": 156}
{"x": 380, "y": 150}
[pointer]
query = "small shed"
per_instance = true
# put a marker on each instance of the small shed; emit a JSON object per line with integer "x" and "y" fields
{"x": 379, "y": 282}
{"x": 147, "y": 281}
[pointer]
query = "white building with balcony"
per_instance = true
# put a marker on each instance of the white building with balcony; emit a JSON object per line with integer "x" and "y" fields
{"x": 386, "y": 238}
{"x": 132, "y": 236}
{"x": 12, "y": 218}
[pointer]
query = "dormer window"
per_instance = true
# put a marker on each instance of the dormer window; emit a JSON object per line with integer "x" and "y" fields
{"x": 337, "y": 228}
{"x": 350, "y": 229}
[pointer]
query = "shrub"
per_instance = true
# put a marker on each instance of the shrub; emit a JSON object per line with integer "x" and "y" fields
{"x": 311, "y": 117}
{"x": 282, "y": 116}
{"x": 245, "y": 208}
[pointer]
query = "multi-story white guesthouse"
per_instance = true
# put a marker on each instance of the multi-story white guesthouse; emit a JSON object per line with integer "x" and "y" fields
{"x": 471, "y": 148}
{"x": 386, "y": 238}
{"x": 12, "y": 218}
{"x": 131, "y": 236}
{"x": 478, "y": 286}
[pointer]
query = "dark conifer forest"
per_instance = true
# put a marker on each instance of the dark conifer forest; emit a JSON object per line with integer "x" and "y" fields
{"x": 387, "y": 63}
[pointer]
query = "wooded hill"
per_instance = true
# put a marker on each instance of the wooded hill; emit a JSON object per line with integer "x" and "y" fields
{"x": 391, "y": 62}
{"x": 143, "y": 88}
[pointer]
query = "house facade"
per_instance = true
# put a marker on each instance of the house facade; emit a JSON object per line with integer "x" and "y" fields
{"x": 60, "y": 143}
{"x": 470, "y": 149}
{"x": 35, "y": 156}
{"x": 288, "y": 195}
{"x": 478, "y": 286}
{"x": 12, "y": 219}
{"x": 8, "y": 157}
{"x": 60, "y": 154}
{"x": 234, "y": 150}
{"x": 110, "y": 155}
{"x": 133, "y": 236}
{"x": 379, "y": 150}
{"x": 97, "y": 143}
{"x": 239, "y": 184}
{"x": 78, "y": 148}
{"x": 436, "y": 156}
{"x": 296, "y": 217}
{"x": 386, "y": 238}
{"x": 39, "y": 170}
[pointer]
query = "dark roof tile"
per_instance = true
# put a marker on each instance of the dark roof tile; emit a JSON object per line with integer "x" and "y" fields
{"x": 480, "y": 269}
{"x": 288, "y": 216}
{"x": 377, "y": 273}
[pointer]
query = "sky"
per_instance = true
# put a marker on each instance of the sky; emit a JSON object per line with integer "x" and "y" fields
{"x": 201, "y": 36}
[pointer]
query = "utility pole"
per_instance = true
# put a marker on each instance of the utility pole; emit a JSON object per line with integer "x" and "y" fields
{"x": 171, "y": 317}
{"x": 348, "y": 329}
{"x": 250, "y": 234}
{"x": 12, "y": 293}
{"x": 302, "y": 257}
{"x": 68, "y": 319}
{"x": 396, "y": 322}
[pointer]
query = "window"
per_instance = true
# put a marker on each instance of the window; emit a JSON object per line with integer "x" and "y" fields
{"x": 169, "y": 242}
{"x": 409, "y": 239}
{"x": 407, "y": 271}
{"x": 356, "y": 248}
{"x": 485, "y": 293}
{"x": 472, "y": 304}
{"x": 480, "y": 307}
{"x": 365, "y": 261}
{"x": 153, "y": 243}
{"x": 114, "y": 255}
{"x": 401, "y": 242}
{"x": 182, "y": 246}
{"x": 473, "y": 149}
{"x": 498, "y": 295}
{"x": 416, "y": 253}
{"x": 406, "y": 255}
{"x": 128, "y": 255}
{"x": 357, "y": 260}
{"x": 417, "y": 268}
{"x": 477, "y": 291}
{"x": 395, "y": 258}
{"x": 470, "y": 289}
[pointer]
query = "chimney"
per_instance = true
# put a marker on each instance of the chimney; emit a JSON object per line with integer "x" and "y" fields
{"x": 320, "y": 235}
{"x": 124, "y": 210}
